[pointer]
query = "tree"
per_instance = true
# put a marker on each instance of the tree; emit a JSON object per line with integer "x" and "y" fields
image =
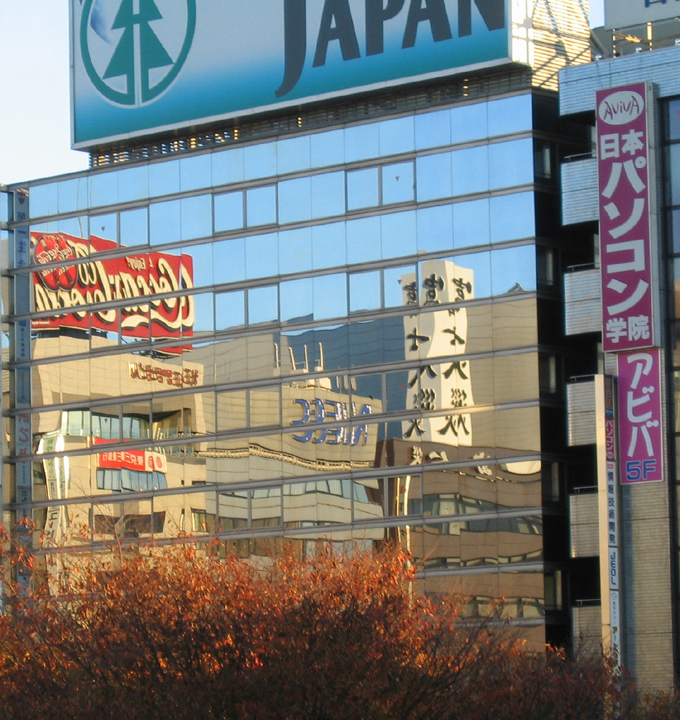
{"x": 182, "y": 633}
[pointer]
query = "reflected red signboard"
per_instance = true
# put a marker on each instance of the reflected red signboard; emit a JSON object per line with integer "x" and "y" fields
{"x": 83, "y": 279}
{"x": 627, "y": 259}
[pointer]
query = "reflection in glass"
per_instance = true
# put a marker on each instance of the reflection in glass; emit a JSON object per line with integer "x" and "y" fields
{"x": 229, "y": 310}
{"x": 296, "y": 299}
{"x": 263, "y": 304}
{"x": 361, "y": 141}
{"x": 228, "y": 211}
{"x": 392, "y": 284}
{"x": 328, "y": 194}
{"x": 364, "y": 291}
{"x": 103, "y": 190}
{"x": 296, "y": 250}
{"x": 512, "y": 217}
{"x": 45, "y": 199}
{"x": 261, "y": 205}
{"x": 363, "y": 240}
{"x": 510, "y": 115}
{"x": 227, "y": 166}
{"x": 513, "y": 270}
{"x": 328, "y": 245}
{"x": 470, "y": 172}
{"x": 163, "y": 178}
{"x": 328, "y": 148}
{"x": 471, "y": 223}
{"x": 265, "y": 406}
{"x": 469, "y": 122}
{"x": 134, "y": 227}
{"x": 511, "y": 163}
{"x": 232, "y": 410}
{"x": 674, "y": 171}
{"x": 133, "y": 183}
{"x": 434, "y": 228}
{"x": 72, "y": 194}
{"x": 260, "y": 160}
{"x": 196, "y": 217}
{"x": 433, "y": 176}
{"x": 164, "y": 222}
{"x": 293, "y": 154}
{"x": 362, "y": 188}
{"x": 262, "y": 256}
{"x": 675, "y": 230}
{"x": 330, "y": 296}
{"x": 229, "y": 258}
{"x": 433, "y": 129}
{"x": 398, "y": 234}
{"x": 396, "y": 136}
{"x": 195, "y": 172}
{"x": 397, "y": 183}
{"x": 295, "y": 202}
{"x": 104, "y": 226}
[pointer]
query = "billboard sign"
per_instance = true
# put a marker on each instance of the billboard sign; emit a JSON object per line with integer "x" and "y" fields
{"x": 626, "y": 13}
{"x": 83, "y": 279}
{"x": 627, "y": 242}
{"x": 144, "y": 66}
{"x": 641, "y": 416}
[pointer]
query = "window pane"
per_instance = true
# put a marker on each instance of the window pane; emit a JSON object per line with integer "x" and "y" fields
{"x": 196, "y": 217}
{"x": 362, "y": 188}
{"x": 293, "y": 154}
{"x": 163, "y": 177}
{"x": 513, "y": 270}
{"x": 470, "y": 170}
{"x": 433, "y": 129}
{"x": 45, "y": 198}
{"x": 134, "y": 227}
{"x": 328, "y": 148}
{"x": 296, "y": 299}
{"x": 329, "y": 245}
{"x": 328, "y": 194}
{"x": 364, "y": 291}
{"x": 397, "y": 183}
{"x": 433, "y": 176}
{"x": 133, "y": 184}
{"x": 674, "y": 167}
{"x": 229, "y": 310}
{"x": 330, "y": 296}
{"x": 363, "y": 240}
{"x": 435, "y": 228}
{"x": 195, "y": 172}
{"x": 512, "y": 217}
{"x": 260, "y": 160}
{"x": 164, "y": 222}
{"x": 227, "y": 166}
{"x": 509, "y": 115}
{"x": 262, "y": 256}
{"x": 398, "y": 234}
{"x": 471, "y": 223}
{"x": 396, "y": 136}
{"x": 263, "y": 304}
{"x": 295, "y": 201}
{"x": 469, "y": 122}
{"x": 261, "y": 205}
{"x": 511, "y": 163}
{"x": 104, "y": 226}
{"x": 296, "y": 250}
{"x": 229, "y": 258}
{"x": 361, "y": 142}
{"x": 228, "y": 211}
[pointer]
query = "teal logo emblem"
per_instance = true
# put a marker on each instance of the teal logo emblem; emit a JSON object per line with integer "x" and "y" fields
{"x": 133, "y": 50}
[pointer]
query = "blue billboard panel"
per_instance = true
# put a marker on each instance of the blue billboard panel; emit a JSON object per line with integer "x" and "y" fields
{"x": 143, "y": 66}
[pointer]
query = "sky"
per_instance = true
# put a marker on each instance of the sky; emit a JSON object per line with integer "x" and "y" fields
{"x": 34, "y": 87}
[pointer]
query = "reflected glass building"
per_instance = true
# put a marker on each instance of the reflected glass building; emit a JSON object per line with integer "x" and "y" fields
{"x": 341, "y": 324}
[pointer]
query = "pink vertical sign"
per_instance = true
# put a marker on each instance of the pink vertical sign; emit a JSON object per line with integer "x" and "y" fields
{"x": 623, "y": 164}
{"x": 641, "y": 416}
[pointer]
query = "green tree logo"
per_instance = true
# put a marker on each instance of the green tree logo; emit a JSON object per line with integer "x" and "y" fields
{"x": 140, "y": 67}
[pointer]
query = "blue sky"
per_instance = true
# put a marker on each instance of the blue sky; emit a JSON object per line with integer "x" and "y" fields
{"x": 34, "y": 122}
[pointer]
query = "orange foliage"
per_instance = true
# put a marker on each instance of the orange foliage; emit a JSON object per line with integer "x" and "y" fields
{"x": 181, "y": 634}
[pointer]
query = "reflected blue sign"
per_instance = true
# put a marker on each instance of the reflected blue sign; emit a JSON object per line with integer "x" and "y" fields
{"x": 143, "y": 66}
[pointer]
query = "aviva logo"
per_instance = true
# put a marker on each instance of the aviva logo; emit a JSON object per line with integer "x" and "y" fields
{"x": 133, "y": 50}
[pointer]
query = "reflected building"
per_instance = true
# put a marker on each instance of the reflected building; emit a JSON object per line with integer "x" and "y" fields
{"x": 333, "y": 324}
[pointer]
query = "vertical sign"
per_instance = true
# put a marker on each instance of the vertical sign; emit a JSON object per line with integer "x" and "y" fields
{"x": 626, "y": 237}
{"x": 641, "y": 416}
{"x": 612, "y": 522}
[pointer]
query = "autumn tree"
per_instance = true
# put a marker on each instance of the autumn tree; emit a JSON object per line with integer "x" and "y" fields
{"x": 183, "y": 633}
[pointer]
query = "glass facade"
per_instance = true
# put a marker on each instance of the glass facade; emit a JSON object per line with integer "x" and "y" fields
{"x": 325, "y": 337}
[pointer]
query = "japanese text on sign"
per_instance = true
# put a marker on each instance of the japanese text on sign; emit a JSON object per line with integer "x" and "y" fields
{"x": 625, "y": 227}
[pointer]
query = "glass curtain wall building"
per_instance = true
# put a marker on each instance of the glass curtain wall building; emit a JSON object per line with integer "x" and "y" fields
{"x": 348, "y": 333}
